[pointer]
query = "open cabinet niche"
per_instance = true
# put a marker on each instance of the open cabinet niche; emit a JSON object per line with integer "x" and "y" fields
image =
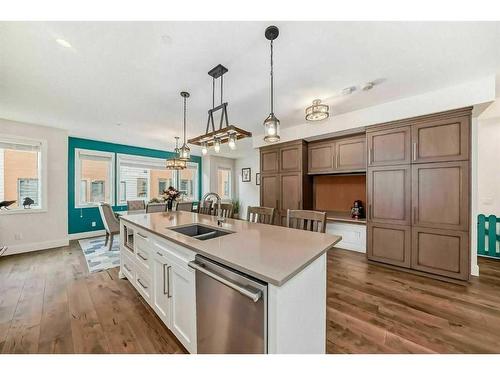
{"x": 337, "y": 193}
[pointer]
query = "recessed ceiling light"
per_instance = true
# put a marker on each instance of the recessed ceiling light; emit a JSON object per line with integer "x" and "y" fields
{"x": 348, "y": 90}
{"x": 64, "y": 43}
{"x": 367, "y": 86}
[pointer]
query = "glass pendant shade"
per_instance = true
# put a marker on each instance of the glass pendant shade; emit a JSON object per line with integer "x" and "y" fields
{"x": 271, "y": 129}
{"x": 185, "y": 152}
{"x": 175, "y": 164}
{"x": 232, "y": 141}
{"x": 317, "y": 111}
{"x": 217, "y": 145}
{"x": 204, "y": 149}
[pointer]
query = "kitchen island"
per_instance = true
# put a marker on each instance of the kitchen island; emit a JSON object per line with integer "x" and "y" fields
{"x": 167, "y": 257}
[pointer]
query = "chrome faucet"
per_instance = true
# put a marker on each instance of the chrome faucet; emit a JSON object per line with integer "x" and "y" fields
{"x": 220, "y": 218}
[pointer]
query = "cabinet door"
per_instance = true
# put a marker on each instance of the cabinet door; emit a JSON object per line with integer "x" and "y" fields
{"x": 389, "y": 244}
{"x": 441, "y": 140}
{"x": 350, "y": 154}
{"x": 290, "y": 194}
{"x": 389, "y": 194}
{"x": 389, "y": 147}
{"x": 321, "y": 157}
{"x": 161, "y": 300}
{"x": 269, "y": 191}
{"x": 291, "y": 158}
{"x": 441, "y": 252}
{"x": 441, "y": 195}
{"x": 269, "y": 161}
{"x": 183, "y": 305}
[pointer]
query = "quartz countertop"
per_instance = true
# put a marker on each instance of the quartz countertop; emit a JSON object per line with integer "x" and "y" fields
{"x": 269, "y": 253}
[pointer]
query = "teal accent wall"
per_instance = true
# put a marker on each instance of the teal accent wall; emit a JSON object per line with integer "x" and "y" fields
{"x": 80, "y": 219}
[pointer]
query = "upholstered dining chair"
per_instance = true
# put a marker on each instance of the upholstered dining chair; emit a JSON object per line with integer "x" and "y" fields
{"x": 226, "y": 210}
{"x": 136, "y": 205}
{"x": 205, "y": 208}
{"x": 111, "y": 223}
{"x": 184, "y": 206}
{"x": 156, "y": 207}
{"x": 313, "y": 221}
{"x": 264, "y": 215}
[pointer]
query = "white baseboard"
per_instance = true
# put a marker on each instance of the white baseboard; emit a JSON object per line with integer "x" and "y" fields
{"x": 79, "y": 236}
{"x": 35, "y": 246}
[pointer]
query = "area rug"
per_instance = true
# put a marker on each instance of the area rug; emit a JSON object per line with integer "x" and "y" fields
{"x": 98, "y": 257}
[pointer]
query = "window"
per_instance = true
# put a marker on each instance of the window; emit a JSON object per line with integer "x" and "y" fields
{"x": 21, "y": 172}
{"x": 142, "y": 177}
{"x": 94, "y": 172}
{"x": 224, "y": 183}
{"x": 188, "y": 182}
{"x": 142, "y": 188}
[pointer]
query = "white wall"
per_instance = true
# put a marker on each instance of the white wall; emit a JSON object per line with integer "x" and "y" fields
{"x": 248, "y": 192}
{"x": 47, "y": 229}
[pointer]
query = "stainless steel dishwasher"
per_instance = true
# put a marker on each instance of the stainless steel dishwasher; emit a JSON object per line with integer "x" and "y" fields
{"x": 231, "y": 310}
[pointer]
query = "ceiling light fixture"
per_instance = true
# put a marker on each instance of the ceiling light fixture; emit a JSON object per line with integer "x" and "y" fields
{"x": 64, "y": 43}
{"x": 348, "y": 90}
{"x": 367, "y": 86}
{"x": 271, "y": 123}
{"x": 184, "y": 152}
{"x": 317, "y": 111}
{"x": 223, "y": 134}
{"x": 176, "y": 163}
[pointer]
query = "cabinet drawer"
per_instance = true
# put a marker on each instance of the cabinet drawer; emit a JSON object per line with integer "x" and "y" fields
{"x": 127, "y": 267}
{"x": 143, "y": 284}
{"x": 143, "y": 250}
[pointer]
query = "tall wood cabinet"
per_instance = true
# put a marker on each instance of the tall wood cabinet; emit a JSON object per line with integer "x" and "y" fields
{"x": 284, "y": 183}
{"x": 418, "y": 190}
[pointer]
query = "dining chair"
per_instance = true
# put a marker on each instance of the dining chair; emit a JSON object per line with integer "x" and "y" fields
{"x": 264, "y": 215}
{"x": 313, "y": 221}
{"x": 136, "y": 205}
{"x": 156, "y": 207}
{"x": 205, "y": 208}
{"x": 226, "y": 210}
{"x": 111, "y": 223}
{"x": 184, "y": 206}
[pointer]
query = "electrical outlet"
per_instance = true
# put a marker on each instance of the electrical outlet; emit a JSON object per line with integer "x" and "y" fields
{"x": 18, "y": 236}
{"x": 93, "y": 224}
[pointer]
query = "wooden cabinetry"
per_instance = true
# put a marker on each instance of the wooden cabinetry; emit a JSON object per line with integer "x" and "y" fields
{"x": 418, "y": 194}
{"x": 337, "y": 156}
{"x": 286, "y": 186}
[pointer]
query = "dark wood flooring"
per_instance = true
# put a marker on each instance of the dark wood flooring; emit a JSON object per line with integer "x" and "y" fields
{"x": 49, "y": 303}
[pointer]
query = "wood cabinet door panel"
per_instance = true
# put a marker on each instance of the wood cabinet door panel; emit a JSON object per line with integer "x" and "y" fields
{"x": 441, "y": 195}
{"x": 389, "y": 194}
{"x": 350, "y": 154}
{"x": 291, "y": 158}
{"x": 389, "y": 147}
{"x": 321, "y": 158}
{"x": 291, "y": 191}
{"x": 269, "y": 161}
{"x": 389, "y": 244}
{"x": 441, "y": 140}
{"x": 441, "y": 252}
{"x": 270, "y": 191}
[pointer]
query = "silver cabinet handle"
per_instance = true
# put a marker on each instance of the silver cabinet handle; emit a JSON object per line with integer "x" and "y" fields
{"x": 126, "y": 267}
{"x": 141, "y": 256}
{"x": 168, "y": 282}
{"x": 369, "y": 156}
{"x": 414, "y": 150}
{"x": 254, "y": 296}
{"x": 160, "y": 254}
{"x": 142, "y": 236}
{"x": 165, "y": 280}
{"x": 140, "y": 282}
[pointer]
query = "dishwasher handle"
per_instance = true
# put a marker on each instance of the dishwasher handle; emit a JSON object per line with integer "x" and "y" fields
{"x": 254, "y": 296}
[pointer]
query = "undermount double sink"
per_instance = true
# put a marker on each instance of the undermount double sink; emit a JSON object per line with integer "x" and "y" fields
{"x": 200, "y": 231}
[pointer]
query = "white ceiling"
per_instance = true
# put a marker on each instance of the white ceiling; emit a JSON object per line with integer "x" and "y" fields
{"x": 132, "y": 72}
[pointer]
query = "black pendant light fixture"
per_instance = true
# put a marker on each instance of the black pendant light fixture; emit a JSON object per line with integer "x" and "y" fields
{"x": 184, "y": 152}
{"x": 271, "y": 123}
{"x": 225, "y": 133}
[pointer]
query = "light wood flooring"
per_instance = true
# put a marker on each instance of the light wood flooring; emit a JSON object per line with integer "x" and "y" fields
{"x": 49, "y": 303}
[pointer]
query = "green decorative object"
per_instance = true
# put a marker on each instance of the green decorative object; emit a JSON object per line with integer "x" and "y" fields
{"x": 487, "y": 236}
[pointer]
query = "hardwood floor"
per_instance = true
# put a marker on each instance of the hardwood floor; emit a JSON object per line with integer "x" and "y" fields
{"x": 49, "y": 303}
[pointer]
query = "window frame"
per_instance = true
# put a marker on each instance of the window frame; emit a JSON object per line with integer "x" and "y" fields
{"x": 230, "y": 170}
{"x": 78, "y": 175}
{"x": 42, "y": 173}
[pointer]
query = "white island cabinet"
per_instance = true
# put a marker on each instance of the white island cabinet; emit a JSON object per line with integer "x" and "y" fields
{"x": 156, "y": 262}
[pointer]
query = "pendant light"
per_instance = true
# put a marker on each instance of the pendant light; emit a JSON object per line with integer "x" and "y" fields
{"x": 271, "y": 123}
{"x": 176, "y": 163}
{"x": 317, "y": 111}
{"x": 185, "y": 152}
